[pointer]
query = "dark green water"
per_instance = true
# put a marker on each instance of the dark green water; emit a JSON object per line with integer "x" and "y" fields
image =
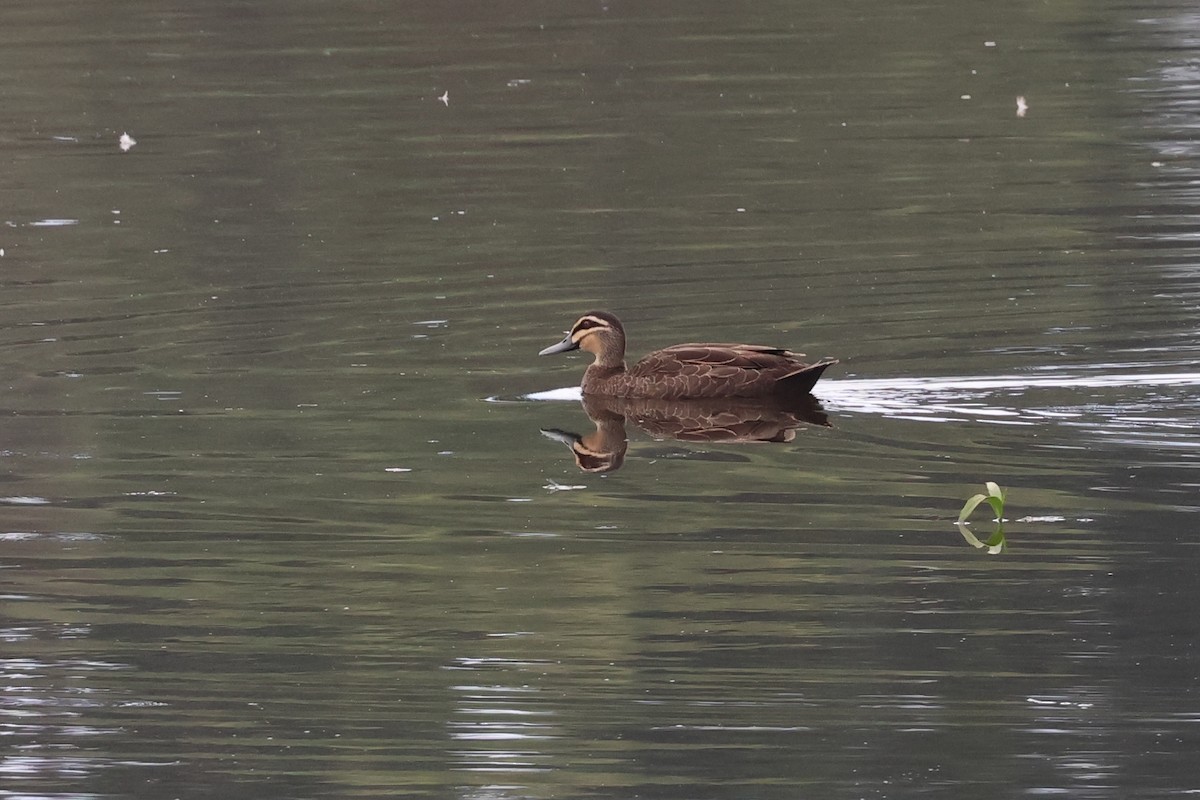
{"x": 278, "y": 518}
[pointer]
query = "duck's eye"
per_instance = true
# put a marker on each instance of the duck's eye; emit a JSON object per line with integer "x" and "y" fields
{"x": 584, "y": 324}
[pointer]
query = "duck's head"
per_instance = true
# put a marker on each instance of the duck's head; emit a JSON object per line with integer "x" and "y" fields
{"x": 597, "y": 332}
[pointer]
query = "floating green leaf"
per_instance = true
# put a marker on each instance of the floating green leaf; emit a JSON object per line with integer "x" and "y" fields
{"x": 994, "y": 498}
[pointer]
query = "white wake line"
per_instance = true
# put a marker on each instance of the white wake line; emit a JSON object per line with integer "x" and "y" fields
{"x": 1064, "y": 381}
{"x": 969, "y": 397}
{"x": 945, "y": 399}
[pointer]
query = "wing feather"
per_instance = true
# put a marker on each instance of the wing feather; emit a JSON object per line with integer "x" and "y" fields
{"x": 718, "y": 370}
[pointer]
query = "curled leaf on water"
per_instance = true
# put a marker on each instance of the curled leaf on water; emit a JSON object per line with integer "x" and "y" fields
{"x": 994, "y": 498}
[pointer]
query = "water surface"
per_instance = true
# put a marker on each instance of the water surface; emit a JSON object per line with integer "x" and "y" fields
{"x": 278, "y": 516}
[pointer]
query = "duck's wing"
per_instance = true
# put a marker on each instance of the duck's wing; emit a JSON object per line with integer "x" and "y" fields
{"x": 694, "y": 357}
{"x": 715, "y": 370}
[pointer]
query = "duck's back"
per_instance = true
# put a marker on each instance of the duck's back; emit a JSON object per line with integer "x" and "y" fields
{"x": 698, "y": 370}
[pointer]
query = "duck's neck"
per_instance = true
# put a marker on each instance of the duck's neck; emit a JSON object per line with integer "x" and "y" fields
{"x": 600, "y": 369}
{"x": 610, "y": 355}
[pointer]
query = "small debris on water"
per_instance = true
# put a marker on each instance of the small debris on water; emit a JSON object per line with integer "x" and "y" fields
{"x": 127, "y": 142}
{"x": 555, "y": 486}
{"x": 445, "y": 98}
{"x": 1022, "y": 106}
{"x": 397, "y": 469}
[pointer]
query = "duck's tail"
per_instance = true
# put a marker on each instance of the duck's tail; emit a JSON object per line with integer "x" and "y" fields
{"x": 804, "y": 378}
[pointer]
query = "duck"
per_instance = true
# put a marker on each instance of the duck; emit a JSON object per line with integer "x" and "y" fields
{"x": 685, "y": 371}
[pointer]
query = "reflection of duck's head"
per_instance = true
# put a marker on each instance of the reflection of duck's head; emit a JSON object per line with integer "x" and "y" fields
{"x": 592, "y": 452}
{"x": 684, "y": 371}
{"x": 602, "y": 450}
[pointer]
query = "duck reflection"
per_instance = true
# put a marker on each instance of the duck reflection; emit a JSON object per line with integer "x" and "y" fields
{"x": 715, "y": 421}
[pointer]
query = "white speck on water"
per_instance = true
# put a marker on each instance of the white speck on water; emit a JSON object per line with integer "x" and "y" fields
{"x": 555, "y": 486}
{"x": 53, "y": 223}
{"x": 519, "y": 500}
{"x": 126, "y": 142}
{"x": 989, "y": 44}
{"x": 25, "y": 500}
{"x": 515, "y": 82}
{"x": 1022, "y": 106}
{"x": 965, "y": 97}
{"x": 397, "y": 469}
{"x": 445, "y": 98}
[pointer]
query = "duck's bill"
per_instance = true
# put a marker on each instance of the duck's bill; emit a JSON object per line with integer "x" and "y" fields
{"x": 562, "y": 347}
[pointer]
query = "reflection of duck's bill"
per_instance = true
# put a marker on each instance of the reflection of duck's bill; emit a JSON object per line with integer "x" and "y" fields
{"x": 561, "y": 436}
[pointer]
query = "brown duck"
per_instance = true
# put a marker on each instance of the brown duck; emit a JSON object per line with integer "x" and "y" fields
{"x": 685, "y": 371}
